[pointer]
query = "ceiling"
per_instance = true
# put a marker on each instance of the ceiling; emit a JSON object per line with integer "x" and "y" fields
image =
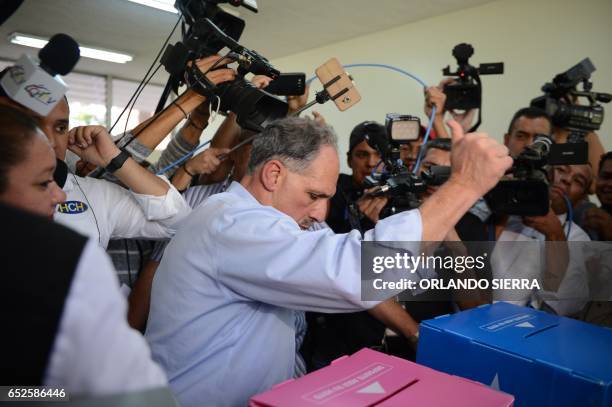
{"x": 281, "y": 28}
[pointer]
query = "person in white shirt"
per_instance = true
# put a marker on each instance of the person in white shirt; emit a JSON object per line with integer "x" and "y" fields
{"x": 150, "y": 208}
{"x": 62, "y": 303}
{"x": 540, "y": 248}
{"x": 221, "y": 321}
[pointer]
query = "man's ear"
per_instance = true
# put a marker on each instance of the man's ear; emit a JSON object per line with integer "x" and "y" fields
{"x": 272, "y": 174}
{"x": 348, "y": 160}
{"x": 506, "y": 139}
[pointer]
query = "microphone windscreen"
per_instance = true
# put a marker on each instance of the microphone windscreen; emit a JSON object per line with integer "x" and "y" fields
{"x": 60, "y": 54}
{"x": 8, "y": 8}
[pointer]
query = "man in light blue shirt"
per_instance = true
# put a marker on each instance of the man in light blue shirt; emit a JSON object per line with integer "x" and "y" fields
{"x": 221, "y": 322}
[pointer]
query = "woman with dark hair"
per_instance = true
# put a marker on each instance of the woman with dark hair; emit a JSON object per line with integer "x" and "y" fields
{"x": 60, "y": 295}
{"x": 27, "y": 164}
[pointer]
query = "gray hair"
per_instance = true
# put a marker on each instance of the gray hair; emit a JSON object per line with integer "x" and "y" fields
{"x": 294, "y": 141}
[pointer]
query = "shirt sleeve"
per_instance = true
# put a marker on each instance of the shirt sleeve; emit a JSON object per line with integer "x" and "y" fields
{"x": 177, "y": 148}
{"x": 95, "y": 351}
{"x": 270, "y": 259}
{"x": 137, "y": 150}
{"x": 573, "y": 292}
{"x": 145, "y": 216}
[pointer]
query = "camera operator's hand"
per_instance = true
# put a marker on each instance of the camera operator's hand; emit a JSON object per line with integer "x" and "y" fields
{"x": 93, "y": 144}
{"x": 199, "y": 116}
{"x": 318, "y": 117}
{"x": 599, "y": 220}
{"x": 371, "y": 206}
{"x": 434, "y": 96}
{"x": 549, "y": 225}
{"x": 297, "y": 102}
{"x": 205, "y": 162}
{"x": 261, "y": 81}
{"x": 217, "y": 75}
{"x": 465, "y": 119}
{"x": 477, "y": 161}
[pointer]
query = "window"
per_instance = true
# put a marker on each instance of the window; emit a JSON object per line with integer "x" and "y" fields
{"x": 144, "y": 108}
{"x": 87, "y": 97}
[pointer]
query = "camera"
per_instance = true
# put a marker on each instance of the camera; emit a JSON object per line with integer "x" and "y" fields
{"x": 560, "y": 97}
{"x": 210, "y": 29}
{"x": 396, "y": 180}
{"x": 527, "y": 193}
{"x": 466, "y": 92}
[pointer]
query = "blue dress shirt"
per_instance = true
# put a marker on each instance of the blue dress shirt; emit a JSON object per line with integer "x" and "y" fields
{"x": 221, "y": 322}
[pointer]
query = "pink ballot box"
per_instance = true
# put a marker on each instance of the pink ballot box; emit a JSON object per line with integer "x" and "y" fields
{"x": 370, "y": 378}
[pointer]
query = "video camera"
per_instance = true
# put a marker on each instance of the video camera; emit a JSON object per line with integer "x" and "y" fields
{"x": 210, "y": 29}
{"x": 396, "y": 180}
{"x": 560, "y": 97}
{"x": 527, "y": 193}
{"x": 466, "y": 92}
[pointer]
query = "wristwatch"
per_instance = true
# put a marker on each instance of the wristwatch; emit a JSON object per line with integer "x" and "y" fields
{"x": 118, "y": 161}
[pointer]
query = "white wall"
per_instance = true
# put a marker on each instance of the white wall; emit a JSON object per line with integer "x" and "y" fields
{"x": 535, "y": 39}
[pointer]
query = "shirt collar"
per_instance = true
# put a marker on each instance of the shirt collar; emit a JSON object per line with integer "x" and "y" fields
{"x": 69, "y": 184}
{"x": 237, "y": 189}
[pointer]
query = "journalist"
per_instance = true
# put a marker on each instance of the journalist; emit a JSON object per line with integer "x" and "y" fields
{"x": 151, "y": 208}
{"x": 562, "y": 272}
{"x": 67, "y": 317}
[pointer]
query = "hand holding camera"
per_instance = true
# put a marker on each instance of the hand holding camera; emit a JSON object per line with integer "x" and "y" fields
{"x": 434, "y": 96}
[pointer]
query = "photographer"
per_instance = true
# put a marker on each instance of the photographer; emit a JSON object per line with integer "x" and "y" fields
{"x": 244, "y": 261}
{"x": 362, "y": 160}
{"x": 596, "y": 149}
{"x": 599, "y": 220}
{"x": 579, "y": 179}
{"x": 563, "y": 276}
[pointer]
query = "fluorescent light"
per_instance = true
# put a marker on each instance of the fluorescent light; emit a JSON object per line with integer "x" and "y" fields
{"x": 165, "y": 5}
{"x": 87, "y": 52}
{"x": 104, "y": 55}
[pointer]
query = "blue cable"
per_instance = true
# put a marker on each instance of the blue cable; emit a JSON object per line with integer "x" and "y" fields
{"x": 425, "y": 139}
{"x": 183, "y": 158}
{"x": 416, "y": 78}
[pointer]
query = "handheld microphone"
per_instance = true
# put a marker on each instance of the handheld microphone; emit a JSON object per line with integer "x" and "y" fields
{"x": 539, "y": 149}
{"x": 36, "y": 84}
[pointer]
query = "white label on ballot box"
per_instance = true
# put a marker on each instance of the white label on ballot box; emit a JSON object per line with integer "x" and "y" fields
{"x": 347, "y": 383}
{"x": 514, "y": 320}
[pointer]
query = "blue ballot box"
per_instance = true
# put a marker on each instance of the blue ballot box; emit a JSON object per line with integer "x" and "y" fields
{"x": 541, "y": 359}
